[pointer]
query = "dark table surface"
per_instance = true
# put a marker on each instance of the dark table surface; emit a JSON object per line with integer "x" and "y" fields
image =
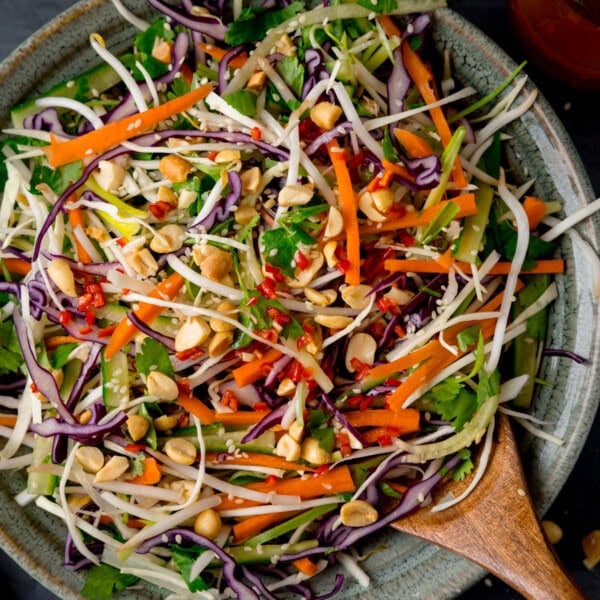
{"x": 577, "y": 508}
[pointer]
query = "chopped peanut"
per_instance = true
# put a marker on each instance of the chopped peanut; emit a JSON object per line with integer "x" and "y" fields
{"x": 113, "y": 469}
{"x": 194, "y": 332}
{"x": 60, "y": 273}
{"x": 325, "y": 115}
{"x": 175, "y": 168}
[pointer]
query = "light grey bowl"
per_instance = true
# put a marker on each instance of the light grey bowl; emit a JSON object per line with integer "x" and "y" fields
{"x": 403, "y": 567}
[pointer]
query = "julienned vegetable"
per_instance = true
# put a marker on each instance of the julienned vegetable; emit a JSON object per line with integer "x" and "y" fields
{"x": 258, "y": 294}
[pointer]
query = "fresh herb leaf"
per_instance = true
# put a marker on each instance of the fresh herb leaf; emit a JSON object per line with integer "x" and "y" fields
{"x": 144, "y": 44}
{"x": 10, "y": 353}
{"x": 468, "y": 337}
{"x": 254, "y": 23}
{"x": 150, "y": 438}
{"x": 465, "y": 467}
{"x": 244, "y": 101}
{"x": 103, "y": 581}
{"x": 184, "y": 558}
{"x": 248, "y": 227}
{"x": 153, "y": 356}
{"x": 292, "y": 72}
{"x": 488, "y": 385}
{"x": 326, "y": 437}
{"x": 57, "y": 179}
{"x": 454, "y": 402}
{"x": 136, "y": 466}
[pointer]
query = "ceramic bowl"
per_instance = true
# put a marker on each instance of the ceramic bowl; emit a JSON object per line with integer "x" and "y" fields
{"x": 401, "y": 566}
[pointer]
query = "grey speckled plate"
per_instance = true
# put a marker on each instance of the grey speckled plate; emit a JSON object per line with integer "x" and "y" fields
{"x": 405, "y": 567}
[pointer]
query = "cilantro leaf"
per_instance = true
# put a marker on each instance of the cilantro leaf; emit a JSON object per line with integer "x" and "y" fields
{"x": 488, "y": 385}
{"x": 153, "y": 356}
{"x": 254, "y": 23}
{"x": 292, "y": 72}
{"x": 136, "y": 466}
{"x": 103, "y": 580}
{"x": 57, "y": 179}
{"x": 457, "y": 409}
{"x": 184, "y": 559}
{"x": 10, "y": 353}
{"x": 468, "y": 337}
{"x": 465, "y": 467}
{"x": 244, "y": 101}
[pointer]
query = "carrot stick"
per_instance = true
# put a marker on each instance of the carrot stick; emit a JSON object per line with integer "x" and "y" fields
{"x": 260, "y": 460}
{"x": 76, "y": 220}
{"x": 415, "y": 146}
{"x": 405, "y": 420}
{"x": 54, "y": 341}
{"x": 151, "y": 474}
{"x": 430, "y": 368}
{"x": 17, "y": 266}
{"x": 552, "y": 265}
{"x": 349, "y": 207}
{"x": 535, "y": 209}
{"x": 256, "y": 524}
{"x": 306, "y": 566}
{"x": 466, "y": 206}
{"x": 335, "y": 481}
{"x": 8, "y": 420}
{"x": 197, "y": 408}
{"x": 389, "y": 27}
{"x": 252, "y": 371}
{"x": 374, "y": 434}
{"x": 97, "y": 141}
{"x": 423, "y": 78}
{"x": 218, "y": 53}
{"x": 126, "y": 331}
{"x": 240, "y": 417}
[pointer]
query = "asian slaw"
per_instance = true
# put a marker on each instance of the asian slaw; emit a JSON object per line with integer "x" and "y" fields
{"x": 265, "y": 284}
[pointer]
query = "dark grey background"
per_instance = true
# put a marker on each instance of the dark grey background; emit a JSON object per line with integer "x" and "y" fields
{"x": 577, "y": 509}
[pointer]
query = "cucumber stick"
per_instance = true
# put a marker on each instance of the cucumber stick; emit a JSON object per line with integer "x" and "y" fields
{"x": 115, "y": 380}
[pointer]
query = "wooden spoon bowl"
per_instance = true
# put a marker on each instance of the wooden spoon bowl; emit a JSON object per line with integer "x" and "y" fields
{"x": 496, "y": 527}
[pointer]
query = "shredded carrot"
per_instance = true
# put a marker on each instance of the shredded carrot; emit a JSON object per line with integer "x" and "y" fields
{"x": 63, "y": 152}
{"x": 466, "y": 206}
{"x": 397, "y": 487}
{"x": 423, "y": 78}
{"x": 197, "y": 407}
{"x": 415, "y": 146}
{"x": 349, "y": 208}
{"x": 76, "y": 220}
{"x": 168, "y": 288}
{"x": 8, "y": 420}
{"x": 218, "y": 53}
{"x": 389, "y": 27}
{"x": 335, "y": 481}
{"x": 417, "y": 265}
{"x": 256, "y": 524}
{"x": 151, "y": 474}
{"x": 374, "y": 434}
{"x": 535, "y": 209}
{"x": 405, "y": 420}
{"x": 446, "y": 259}
{"x": 255, "y": 369}
{"x": 261, "y": 460}
{"x": 54, "y": 341}
{"x": 430, "y": 368}
{"x": 17, "y": 266}
{"x": 306, "y": 566}
{"x": 240, "y": 417}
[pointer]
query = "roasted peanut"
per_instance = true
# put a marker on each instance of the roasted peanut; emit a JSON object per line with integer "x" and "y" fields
{"x": 295, "y": 195}
{"x": 335, "y": 223}
{"x": 175, "y": 168}
{"x": 142, "y": 262}
{"x": 113, "y": 469}
{"x": 296, "y": 431}
{"x": 366, "y": 203}
{"x": 329, "y": 253}
{"x": 208, "y": 524}
{"x": 169, "y": 238}
{"x": 60, "y": 272}
{"x": 226, "y": 156}
{"x": 162, "y": 51}
{"x": 109, "y": 175}
{"x": 286, "y": 387}
{"x": 358, "y": 513}
{"x": 333, "y": 321}
{"x": 361, "y": 347}
{"x": 552, "y": 531}
{"x": 90, "y": 458}
{"x": 161, "y": 386}
{"x": 257, "y": 80}
{"x": 166, "y": 422}
{"x": 194, "y": 332}
{"x": 312, "y": 452}
{"x": 244, "y": 214}
{"x": 220, "y": 343}
{"x": 320, "y": 297}
{"x": 180, "y": 451}
{"x": 217, "y": 265}
{"x": 225, "y": 307}
{"x": 251, "y": 180}
{"x": 303, "y": 277}
{"x": 288, "y": 447}
{"x": 137, "y": 427}
{"x": 356, "y": 296}
{"x": 325, "y": 115}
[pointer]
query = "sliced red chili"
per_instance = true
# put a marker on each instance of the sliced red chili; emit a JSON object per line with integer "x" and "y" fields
{"x": 267, "y": 288}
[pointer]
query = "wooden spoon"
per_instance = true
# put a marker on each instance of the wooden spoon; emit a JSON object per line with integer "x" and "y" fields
{"x": 496, "y": 527}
